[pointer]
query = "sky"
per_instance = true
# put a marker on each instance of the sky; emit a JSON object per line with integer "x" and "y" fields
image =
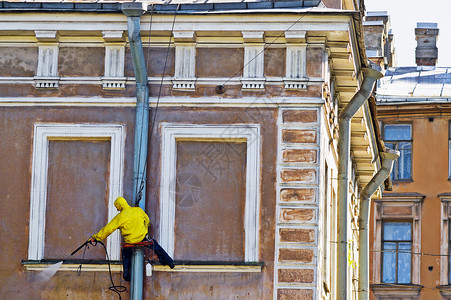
{"x": 404, "y": 16}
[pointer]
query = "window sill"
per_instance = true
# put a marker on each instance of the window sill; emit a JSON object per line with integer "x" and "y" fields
{"x": 211, "y": 267}
{"x": 445, "y": 290}
{"x": 116, "y": 266}
{"x": 401, "y": 180}
{"x": 396, "y": 290}
{"x": 87, "y": 265}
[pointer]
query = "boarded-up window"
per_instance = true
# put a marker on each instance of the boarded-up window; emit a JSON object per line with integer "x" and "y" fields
{"x": 77, "y": 201}
{"x": 210, "y": 201}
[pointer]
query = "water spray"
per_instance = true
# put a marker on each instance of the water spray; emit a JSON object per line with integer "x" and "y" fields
{"x": 50, "y": 271}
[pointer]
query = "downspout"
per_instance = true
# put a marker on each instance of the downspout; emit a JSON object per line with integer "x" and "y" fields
{"x": 344, "y": 152}
{"x": 388, "y": 158}
{"x": 133, "y": 11}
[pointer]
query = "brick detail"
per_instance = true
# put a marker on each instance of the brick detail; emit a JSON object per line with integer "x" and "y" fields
{"x": 296, "y": 215}
{"x": 298, "y": 136}
{"x": 296, "y": 235}
{"x": 300, "y": 155}
{"x": 296, "y": 275}
{"x": 294, "y": 294}
{"x": 305, "y": 175}
{"x": 296, "y": 195}
{"x": 299, "y": 116}
{"x": 296, "y": 255}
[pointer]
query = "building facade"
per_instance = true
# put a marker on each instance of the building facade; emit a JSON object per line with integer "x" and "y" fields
{"x": 410, "y": 233}
{"x": 242, "y": 167}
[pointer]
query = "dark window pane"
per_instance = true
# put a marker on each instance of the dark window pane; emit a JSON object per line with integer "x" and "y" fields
{"x": 389, "y": 263}
{"x": 397, "y": 231}
{"x": 399, "y": 132}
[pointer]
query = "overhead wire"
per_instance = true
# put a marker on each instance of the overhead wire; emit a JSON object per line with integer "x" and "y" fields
{"x": 152, "y": 124}
{"x": 139, "y": 190}
{"x": 268, "y": 45}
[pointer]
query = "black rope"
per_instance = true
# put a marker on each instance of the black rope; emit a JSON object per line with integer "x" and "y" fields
{"x": 139, "y": 190}
{"x": 118, "y": 289}
{"x": 141, "y": 187}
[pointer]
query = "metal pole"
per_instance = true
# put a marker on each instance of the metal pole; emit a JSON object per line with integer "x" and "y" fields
{"x": 133, "y": 11}
{"x": 388, "y": 158}
{"x": 344, "y": 152}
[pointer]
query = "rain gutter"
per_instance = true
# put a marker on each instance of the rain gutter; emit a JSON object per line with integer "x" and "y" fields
{"x": 344, "y": 152}
{"x": 388, "y": 158}
{"x": 133, "y": 11}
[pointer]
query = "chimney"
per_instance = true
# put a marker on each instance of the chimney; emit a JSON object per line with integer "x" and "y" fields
{"x": 426, "y": 52}
{"x": 377, "y": 44}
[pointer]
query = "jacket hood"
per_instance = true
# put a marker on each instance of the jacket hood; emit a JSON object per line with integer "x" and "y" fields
{"x": 121, "y": 203}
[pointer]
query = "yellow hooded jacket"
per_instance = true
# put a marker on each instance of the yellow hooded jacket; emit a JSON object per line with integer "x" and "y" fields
{"x": 132, "y": 221}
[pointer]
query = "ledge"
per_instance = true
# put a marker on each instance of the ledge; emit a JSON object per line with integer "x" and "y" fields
{"x": 445, "y": 290}
{"x": 90, "y": 266}
{"x": 396, "y": 290}
{"x": 211, "y": 267}
{"x": 116, "y": 266}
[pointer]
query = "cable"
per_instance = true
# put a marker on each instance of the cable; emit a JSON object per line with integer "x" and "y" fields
{"x": 295, "y": 22}
{"x": 409, "y": 252}
{"x": 118, "y": 289}
{"x": 141, "y": 188}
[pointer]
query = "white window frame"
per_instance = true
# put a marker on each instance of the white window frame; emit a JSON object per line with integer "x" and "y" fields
{"x": 444, "y": 243}
{"x": 171, "y": 133}
{"x": 43, "y": 133}
{"x": 412, "y": 201}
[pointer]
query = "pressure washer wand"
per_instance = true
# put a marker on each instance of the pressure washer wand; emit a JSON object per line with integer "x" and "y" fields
{"x": 81, "y": 246}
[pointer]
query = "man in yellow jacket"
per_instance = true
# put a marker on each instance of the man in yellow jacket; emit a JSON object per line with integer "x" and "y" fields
{"x": 133, "y": 223}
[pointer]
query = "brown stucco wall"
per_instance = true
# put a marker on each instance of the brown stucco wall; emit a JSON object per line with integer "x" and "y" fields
{"x": 221, "y": 285}
{"x": 210, "y": 200}
{"x": 16, "y": 142}
{"x": 16, "y": 129}
{"x": 81, "y": 61}
{"x": 314, "y": 62}
{"x": 275, "y": 62}
{"x": 78, "y": 179}
{"x": 155, "y": 67}
{"x": 429, "y": 177}
{"x": 219, "y": 62}
{"x": 18, "y": 61}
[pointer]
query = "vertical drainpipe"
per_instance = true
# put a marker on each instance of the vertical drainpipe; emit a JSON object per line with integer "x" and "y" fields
{"x": 133, "y": 11}
{"x": 388, "y": 158}
{"x": 344, "y": 152}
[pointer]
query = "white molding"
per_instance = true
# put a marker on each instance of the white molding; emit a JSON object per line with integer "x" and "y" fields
{"x": 253, "y": 76}
{"x": 38, "y": 196}
{"x": 253, "y": 36}
{"x": 88, "y": 267}
{"x": 185, "y": 65}
{"x": 113, "y": 35}
{"x": 170, "y": 133}
{"x": 47, "y": 72}
{"x": 444, "y": 242}
{"x": 210, "y": 268}
{"x": 46, "y": 35}
{"x": 296, "y": 61}
{"x": 165, "y": 101}
{"x": 295, "y": 36}
{"x": 114, "y": 67}
{"x": 413, "y": 202}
